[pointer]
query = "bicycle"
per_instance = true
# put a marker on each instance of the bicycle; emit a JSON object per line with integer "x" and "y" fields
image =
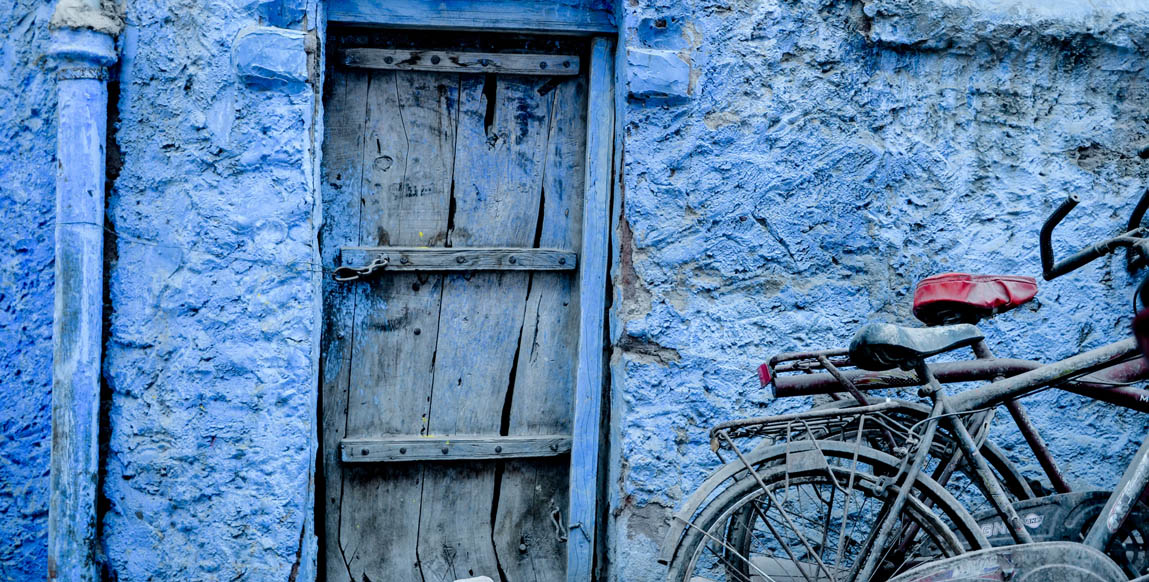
{"x": 796, "y": 477}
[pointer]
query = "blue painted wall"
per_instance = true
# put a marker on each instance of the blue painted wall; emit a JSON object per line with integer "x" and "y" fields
{"x": 791, "y": 169}
{"x": 27, "y": 207}
{"x": 794, "y": 167}
{"x": 210, "y": 354}
{"x": 211, "y": 351}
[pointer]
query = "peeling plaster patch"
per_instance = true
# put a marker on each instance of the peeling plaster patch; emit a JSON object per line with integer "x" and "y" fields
{"x": 647, "y": 351}
{"x": 99, "y": 15}
{"x": 719, "y": 119}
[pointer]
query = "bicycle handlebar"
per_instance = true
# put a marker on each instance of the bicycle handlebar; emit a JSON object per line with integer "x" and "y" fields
{"x": 1132, "y": 260}
{"x": 1049, "y": 269}
{"x": 1133, "y": 239}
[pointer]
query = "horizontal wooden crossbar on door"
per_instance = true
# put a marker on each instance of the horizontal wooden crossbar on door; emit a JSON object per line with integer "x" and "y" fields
{"x": 459, "y": 259}
{"x": 451, "y": 448}
{"x": 461, "y": 62}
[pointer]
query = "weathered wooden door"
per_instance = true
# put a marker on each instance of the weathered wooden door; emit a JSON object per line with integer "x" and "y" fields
{"x": 448, "y": 372}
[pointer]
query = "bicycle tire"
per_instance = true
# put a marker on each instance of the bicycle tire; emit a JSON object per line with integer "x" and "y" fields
{"x": 948, "y": 524}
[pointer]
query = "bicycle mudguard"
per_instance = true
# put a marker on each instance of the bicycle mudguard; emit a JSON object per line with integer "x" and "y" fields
{"x": 1036, "y": 562}
{"x": 804, "y": 451}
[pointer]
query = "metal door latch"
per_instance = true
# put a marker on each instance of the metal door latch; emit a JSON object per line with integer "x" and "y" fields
{"x": 347, "y": 274}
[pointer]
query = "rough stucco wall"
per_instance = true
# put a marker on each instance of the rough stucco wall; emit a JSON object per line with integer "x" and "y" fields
{"x": 27, "y": 208}
{"x": 806, "y": 174}
{"x": 210, "y": 351}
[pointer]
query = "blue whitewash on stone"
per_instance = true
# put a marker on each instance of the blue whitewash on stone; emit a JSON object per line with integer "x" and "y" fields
{"x": 791, "y": 169}
{"x": 830, "y": 155}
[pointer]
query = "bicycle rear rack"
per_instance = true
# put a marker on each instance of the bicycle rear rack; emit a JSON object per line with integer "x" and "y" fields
{"x": 812, "y": 424}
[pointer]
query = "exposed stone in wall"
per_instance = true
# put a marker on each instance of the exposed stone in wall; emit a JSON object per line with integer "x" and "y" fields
{"x": 819, "y": 166}
{"x": 98, "y": 15}
{"x": 27, "y": 210}
{"x": 210, "y": 351}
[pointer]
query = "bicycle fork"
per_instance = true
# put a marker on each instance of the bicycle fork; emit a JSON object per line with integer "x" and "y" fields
{"x": 1122, "y": 501}
{"x": 986, "y": 480}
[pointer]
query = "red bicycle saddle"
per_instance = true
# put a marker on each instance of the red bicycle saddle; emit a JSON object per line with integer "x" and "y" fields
{"x": 963, "y": 298}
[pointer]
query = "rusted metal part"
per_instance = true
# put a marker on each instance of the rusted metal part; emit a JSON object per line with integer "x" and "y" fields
{"x": 844, "y": 381}
{"x": 1039, "y": 562}
{"x": 1037, "y": 445}
{"x": 874, "y": 550}
{"x": 1050, "y": 269}
{"x": 1065, "y": 516}
{"x": 946, "y": 470}
{"x": 1047, "y": 375}
{"x": 1028, "y": 431}
{"x": 346, "y": 274}
{"x": 853, "y": 390}
{"x": 987, "y": 480}
{"x": 1107, "y": 385}
{"x": 759, "y": 425}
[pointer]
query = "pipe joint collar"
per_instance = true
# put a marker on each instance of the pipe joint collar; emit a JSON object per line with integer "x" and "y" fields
{"x": 79, "y": 50}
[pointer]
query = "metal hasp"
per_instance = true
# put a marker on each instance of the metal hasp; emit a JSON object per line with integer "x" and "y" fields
{"x": 83, "y": 46}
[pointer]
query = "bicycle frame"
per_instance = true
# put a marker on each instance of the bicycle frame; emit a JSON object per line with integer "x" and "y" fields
{"x": 1121, "y": 502}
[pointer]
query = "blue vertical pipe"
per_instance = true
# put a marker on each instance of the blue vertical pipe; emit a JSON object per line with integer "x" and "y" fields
{"x": 83, "y": 56}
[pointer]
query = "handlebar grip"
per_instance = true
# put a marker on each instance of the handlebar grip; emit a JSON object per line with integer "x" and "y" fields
{"x": 1048, "y": 271}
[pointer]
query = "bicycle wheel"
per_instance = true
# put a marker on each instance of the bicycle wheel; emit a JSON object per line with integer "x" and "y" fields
{"x": 814, "y": 519}
{"x": 945, "y": 444}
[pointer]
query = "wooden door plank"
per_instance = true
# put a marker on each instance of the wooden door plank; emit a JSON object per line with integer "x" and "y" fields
{"x": 592, "y": 297}
{"x": 539, "y": 16}
{"x": 497, "y": 184}
{"x": 533, "y": 495}
{"x": 461, "y": 61}
{"x": 344, "y": 126}
{"x": 452, "y": 448}
{"x": 460, "y": 259}
{"x": 409, "y": 151}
